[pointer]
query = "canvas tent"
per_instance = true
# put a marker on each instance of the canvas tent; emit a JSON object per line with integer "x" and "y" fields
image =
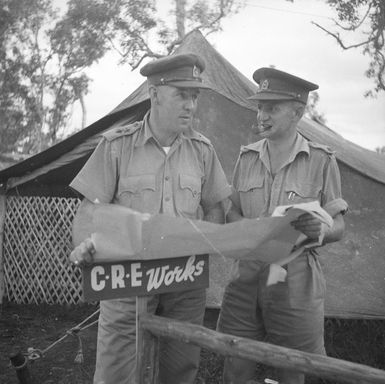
{"x": 355, "y": 267}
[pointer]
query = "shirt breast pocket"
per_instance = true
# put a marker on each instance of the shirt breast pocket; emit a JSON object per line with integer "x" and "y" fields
{"x": 252, "y": 196}
{"x": 302, "y": 192}
{"x": 188, "y": 195}
{"x": 138, "y": 192}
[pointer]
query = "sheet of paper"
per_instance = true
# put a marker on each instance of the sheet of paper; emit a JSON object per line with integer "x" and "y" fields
{"x": 276, "y": 272}
{"x": 296, "y": 210}
{"x": 121, "y": 233}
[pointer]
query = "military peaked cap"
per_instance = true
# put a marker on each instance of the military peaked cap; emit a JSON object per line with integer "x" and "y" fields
{"x": 181, "y": 71}
{"x": 279, "y": 85}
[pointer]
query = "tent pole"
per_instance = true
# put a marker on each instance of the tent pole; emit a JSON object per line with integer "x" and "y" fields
{"x": 147, "y": 348}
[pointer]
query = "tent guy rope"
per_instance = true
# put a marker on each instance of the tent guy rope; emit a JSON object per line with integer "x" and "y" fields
{"x": 21, "y": 366}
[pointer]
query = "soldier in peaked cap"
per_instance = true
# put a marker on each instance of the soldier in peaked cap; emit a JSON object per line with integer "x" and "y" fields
{"x": 281, "y": 169}
{"x": 158, "y": 165}
{"x": 278, "y": 85}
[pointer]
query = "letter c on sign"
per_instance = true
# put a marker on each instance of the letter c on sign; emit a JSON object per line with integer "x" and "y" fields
{"x": 97, "y": 282}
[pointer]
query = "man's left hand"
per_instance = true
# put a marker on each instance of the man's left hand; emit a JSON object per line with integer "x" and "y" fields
{"x": 82, "y": 255}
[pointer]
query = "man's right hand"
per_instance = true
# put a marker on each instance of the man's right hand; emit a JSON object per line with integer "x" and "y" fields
{"x": 83, "y": 254}
{"x": 308, "y": 225}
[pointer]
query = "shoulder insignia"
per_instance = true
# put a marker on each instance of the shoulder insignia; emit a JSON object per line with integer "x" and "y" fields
{"x": 323, "y": 147}
{"x": 198, "y": 136}
{"x": 123, "y": 130}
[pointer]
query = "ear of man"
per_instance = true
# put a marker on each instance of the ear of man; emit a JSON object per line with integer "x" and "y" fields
{"x": 154, "y": 95}
{"x": 299, "y": 109}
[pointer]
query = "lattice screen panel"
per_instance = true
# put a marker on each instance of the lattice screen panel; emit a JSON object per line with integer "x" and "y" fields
{"x": 37, "y": 242}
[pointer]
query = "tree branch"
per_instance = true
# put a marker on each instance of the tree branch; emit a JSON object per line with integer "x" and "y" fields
{"x": 144, "y": 44}
{"x": 381, "y": 71}
{"x": 174, "y": 43}
{"x": 210, "y": 26}
{"x": 114, "y": 46}
{"x": 136, "y": 65}
{"x": 339, "y": 41}
{"x": 353, "y": 27}
{"x": 148, "y": 52}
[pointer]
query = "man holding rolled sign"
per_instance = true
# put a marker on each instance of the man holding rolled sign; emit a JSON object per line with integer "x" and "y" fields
{"x": 159, "y": 165}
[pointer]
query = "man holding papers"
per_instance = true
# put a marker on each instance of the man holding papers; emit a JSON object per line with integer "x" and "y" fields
{"x": 281, "y": 169}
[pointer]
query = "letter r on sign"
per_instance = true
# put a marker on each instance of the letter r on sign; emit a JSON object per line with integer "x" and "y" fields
{"x": 117, "y": 276}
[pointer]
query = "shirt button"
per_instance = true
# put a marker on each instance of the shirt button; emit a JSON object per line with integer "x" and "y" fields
{"x": 167, "y": 199}
{"x": 167, "y": 178}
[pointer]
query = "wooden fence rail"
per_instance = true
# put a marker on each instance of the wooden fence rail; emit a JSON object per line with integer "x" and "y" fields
{"x": 152, "y": 327}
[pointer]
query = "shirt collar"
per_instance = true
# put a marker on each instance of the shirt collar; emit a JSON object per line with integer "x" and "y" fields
{"x": 263, "y": 153}
{"x": 300, "y": 145}
{"x": 146, "y": 134}
{"x": 191, "y": 134}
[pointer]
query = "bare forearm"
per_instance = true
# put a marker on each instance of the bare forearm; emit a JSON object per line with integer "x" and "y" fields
{"x": 336, "y": 232}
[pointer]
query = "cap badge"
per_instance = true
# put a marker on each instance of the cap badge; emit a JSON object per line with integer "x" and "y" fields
{"x": 196, "y": 71}
{"x": 265, "y": 84}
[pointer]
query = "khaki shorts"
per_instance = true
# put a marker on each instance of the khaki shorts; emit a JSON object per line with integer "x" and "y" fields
{"x": 290, "y": 313}
{"x": 116, "y": 349}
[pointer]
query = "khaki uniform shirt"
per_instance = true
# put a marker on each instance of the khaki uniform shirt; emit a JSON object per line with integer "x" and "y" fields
{"x": 130, "y": 168}
{"x": 311, "y": 173}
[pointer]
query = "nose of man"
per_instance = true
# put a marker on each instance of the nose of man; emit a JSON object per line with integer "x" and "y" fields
{"x": 261, "y": 117}
{"x": 263, "y": 113}
{"x": 190, "y": 103}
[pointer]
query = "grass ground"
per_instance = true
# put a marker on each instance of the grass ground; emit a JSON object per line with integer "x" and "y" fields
{"x": 24, "y": 326}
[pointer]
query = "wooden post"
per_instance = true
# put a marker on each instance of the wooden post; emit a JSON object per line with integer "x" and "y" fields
{"x": 274, "y": 355}
{"x": 3, "y": 199}
{"x": 20, "y": 363}
{"x": 147, "y": 348}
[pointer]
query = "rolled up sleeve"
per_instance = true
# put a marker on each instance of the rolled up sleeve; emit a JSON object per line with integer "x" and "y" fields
{"x": 332, "y": 200}
{"x": 98, "y": 178}
{"x": 215, "y": 187}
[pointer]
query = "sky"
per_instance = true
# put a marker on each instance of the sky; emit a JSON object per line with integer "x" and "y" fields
{"x": 279, "y": 33}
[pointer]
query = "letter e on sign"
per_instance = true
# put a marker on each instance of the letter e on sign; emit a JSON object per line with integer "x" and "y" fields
{"x": 136, "y": 275}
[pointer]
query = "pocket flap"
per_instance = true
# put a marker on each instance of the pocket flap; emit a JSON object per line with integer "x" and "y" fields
{"x": 190, "y": 182}
{"x": 137, "y": 183}
{"x": 303, "y": 189}
{"x": 249, "y": 184}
